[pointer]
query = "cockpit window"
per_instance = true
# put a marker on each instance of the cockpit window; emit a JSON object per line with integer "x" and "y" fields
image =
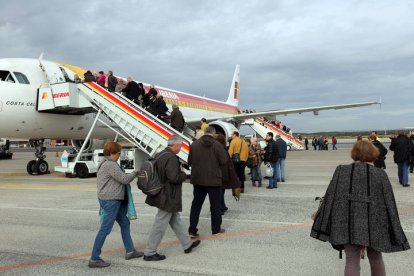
{"x": 6, "y": 76}
{"x": 21, "y": 78}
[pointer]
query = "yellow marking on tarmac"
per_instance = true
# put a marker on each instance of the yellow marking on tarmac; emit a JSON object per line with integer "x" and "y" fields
{"x": 35, "y": 186}
{"x": 54, "y": 174}
{"x": 163, "y": 244}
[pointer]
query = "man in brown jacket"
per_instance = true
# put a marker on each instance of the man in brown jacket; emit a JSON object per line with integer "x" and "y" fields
{"x": 176, "y": 117}
{"x": 205, "y": 158}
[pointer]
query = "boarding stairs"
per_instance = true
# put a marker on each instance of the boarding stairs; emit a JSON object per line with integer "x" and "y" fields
{"x": 147, "y": 132}
{"x": 262, "y": 128}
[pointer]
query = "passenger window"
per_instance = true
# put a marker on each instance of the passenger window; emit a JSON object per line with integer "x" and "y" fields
{"x": 21, "y": 78}
{"x": 6, "y": 76}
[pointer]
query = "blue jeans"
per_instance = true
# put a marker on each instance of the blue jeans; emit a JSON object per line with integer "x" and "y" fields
{"x": 403, "y": 172}
{"x": 257, "y": 174}
{"x": 113, "y": 211}
{"x": 280, "y": 164}
{"x": 273, "y": 179}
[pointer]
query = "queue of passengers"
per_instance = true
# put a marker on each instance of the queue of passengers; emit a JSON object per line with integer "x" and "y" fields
{"x": 208, "y": 154}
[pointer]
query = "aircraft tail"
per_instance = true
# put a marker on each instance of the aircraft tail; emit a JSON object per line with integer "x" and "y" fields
{"x": 233, "y": 98}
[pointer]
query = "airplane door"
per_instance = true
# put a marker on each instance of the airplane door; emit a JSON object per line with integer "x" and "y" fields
{"x": 52, "y": 72}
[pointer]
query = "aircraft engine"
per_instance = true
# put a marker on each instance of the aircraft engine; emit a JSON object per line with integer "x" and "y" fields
{"x": 223, "y": 128}
{"x": 91, "y": 145}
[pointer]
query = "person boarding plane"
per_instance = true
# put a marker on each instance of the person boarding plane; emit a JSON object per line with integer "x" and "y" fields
{"x": 40, "y": 100}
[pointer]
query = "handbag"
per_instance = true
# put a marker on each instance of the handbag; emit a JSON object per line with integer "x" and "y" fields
{"x": 236, "y": 156}
{"x": 318, "y": 211}
{"x": 269, "y": 170}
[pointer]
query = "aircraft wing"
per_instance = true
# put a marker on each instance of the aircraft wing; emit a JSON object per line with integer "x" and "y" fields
{"x": 244, "y": 116}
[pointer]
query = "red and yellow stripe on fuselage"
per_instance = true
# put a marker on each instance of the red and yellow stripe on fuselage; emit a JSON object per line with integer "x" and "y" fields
{"x": 178, "y": 98}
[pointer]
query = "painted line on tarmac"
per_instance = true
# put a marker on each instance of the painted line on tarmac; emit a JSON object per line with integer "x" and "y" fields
{"x": 163, "y": 244}
{"x": 53, "y": 174}
{"x": 150, "y": 215}
{"x": 53, "y": 187}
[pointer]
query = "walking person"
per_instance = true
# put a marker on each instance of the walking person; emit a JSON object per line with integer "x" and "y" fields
{"x": 255, "y": 153}
{"x": 131, "y": 90}
{"x": 112, "y": 82}
{"x": 380, "y": 161}
{"x": 314, "y": 143}
{"x": 403, "y": 152}
{"x": 177, "y": 118}
{"x": 306, "y": 143}
{"x": 359, "y": 213}
{"x": 334, "y": 142}
{"x": 168, "y": 202}
{"x": 281, "y": 158}
{"x": 113, "y": 200}
{"x": 239, "y": 152}
{"x": 270, "y": 157}
{"x": 205, "y": 158}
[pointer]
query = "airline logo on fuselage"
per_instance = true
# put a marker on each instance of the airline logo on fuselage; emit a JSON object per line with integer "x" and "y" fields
{"x": 45, "y": 95}
{"x": 61, "y": 95}
{"x": 168, "y": 94}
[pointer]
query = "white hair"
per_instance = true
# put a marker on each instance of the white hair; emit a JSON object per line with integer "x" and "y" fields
{"x": 174, "y": 140}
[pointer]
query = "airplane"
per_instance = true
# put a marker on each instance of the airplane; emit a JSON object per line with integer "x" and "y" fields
{"x": 22, "y": 78}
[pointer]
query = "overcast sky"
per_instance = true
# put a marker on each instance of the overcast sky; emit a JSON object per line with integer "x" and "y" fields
{"x": 291, "y": 53}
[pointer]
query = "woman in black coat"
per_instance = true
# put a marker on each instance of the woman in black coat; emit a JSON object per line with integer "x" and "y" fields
{"x": 359, "y": 212}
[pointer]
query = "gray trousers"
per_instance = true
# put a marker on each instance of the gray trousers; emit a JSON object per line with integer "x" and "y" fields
{"x": 162, "y": 219}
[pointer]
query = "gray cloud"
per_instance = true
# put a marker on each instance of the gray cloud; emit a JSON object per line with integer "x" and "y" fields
{"x": 292, "y": 53}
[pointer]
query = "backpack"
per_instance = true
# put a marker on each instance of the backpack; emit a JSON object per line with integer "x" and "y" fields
{"x": 148, "y": 179}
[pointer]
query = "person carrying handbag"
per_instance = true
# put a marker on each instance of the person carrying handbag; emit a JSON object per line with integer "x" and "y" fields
{"x": 255, "y": 162}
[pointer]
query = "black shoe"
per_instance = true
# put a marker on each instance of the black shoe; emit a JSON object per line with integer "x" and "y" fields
{"x": 407, "y": 185}
{"x": 134, "y": 254}
{"x": 155, "y": 257}
{"x": 283, "y": 180}
{"x": 193, "y": 235}
{"x": 98, "y": 263}
{"x": 221, "y": 231}
{"x": 268, "y": 187}
{"x": 195, "y": 244}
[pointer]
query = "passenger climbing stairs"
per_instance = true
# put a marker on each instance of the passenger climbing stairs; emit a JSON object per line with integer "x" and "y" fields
{"x": 147, "y": 132}
{"x": 262, "y": 128}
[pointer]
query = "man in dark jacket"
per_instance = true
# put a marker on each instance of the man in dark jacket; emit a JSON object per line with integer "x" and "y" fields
{"x": 281, "y": 157}
{"x": 160, "y": 107}
{"x": 205, "y": 158}
{"x": 112, "y": 82}
{"x": 131, "y": 90}
{"x": 380, "y": 162}
{"x": 176, "y": 117}
{"x": 403, "y": 151}
{"x": 270, "y": 157}
{"x": 89, "y": 77}
{"x": 168, "y": 202}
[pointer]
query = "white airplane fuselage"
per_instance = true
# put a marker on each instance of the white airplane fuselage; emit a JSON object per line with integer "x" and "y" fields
{"x": 20, "y": 119}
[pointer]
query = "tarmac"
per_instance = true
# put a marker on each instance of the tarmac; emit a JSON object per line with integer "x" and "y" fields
{"x": 48, "y": 225}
